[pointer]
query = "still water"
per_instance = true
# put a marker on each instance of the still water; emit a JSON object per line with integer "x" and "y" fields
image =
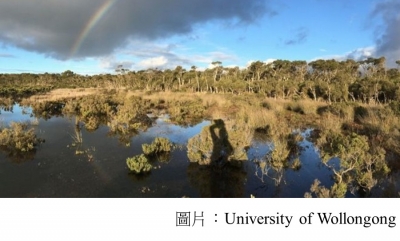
{"x": 96, "y": 166}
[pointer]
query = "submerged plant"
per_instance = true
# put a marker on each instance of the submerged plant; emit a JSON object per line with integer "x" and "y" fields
{"x": 139, "y": 164}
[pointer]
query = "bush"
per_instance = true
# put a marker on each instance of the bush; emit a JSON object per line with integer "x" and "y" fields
{"x": 295, "y": 107}
{"x": 360, "y": 113}
{"x": 18, "y": 138}
{"x": 186, "y": 112}
{"x": 139, "y": 164}
{"x": 159, "y": 145}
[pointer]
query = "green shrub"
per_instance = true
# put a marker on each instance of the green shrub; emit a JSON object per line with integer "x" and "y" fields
{"x": 18, "y": 138}
{"x": 159, "y": 145}
{"x": 139, "y": 164}
{"x": 186, "y": 112}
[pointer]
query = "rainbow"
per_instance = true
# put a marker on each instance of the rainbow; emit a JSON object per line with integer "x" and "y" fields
{"x": 94, "y": 19}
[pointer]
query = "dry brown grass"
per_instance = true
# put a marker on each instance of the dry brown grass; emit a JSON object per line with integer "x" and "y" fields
{"x": 331, "y": 122}
{"x": 59, "y": 94}
{"x": 382, "y": 120}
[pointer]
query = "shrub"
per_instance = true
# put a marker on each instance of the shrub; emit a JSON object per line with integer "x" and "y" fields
{"x": 360, "y": 113}
{"x": 138, "y": 164}
{"x": 130, "y": 116}
{"x": 159, "y": 145}
{"x": 295, "y": 107}
{"x": 186, "y": 112}
{"x": 18, "y": 138}
{"x": 93, "y": 110}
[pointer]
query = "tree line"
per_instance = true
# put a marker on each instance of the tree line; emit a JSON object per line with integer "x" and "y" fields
{"x": 368, "y": 81}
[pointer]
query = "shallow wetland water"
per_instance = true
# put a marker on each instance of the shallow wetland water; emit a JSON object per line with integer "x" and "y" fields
{"x": 75, "y": 162}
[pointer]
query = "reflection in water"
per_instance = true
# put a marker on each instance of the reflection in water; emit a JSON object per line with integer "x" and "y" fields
{"x": 48, "y": 109}
{"x": 18, "y": 157}
{"x": 163, "y": 157}
{"x": 283, "y": 154}
{"x": 139, "y": 177}
{"x": 6, "y": 104}
{"x": 217, "y": 181}
{"x": 77, "y": 138}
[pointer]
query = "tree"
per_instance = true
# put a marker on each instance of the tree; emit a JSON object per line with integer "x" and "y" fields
{"x": 373, "y": 67}
{"x": 255, "y": 70}
{"x": 194, "y": 70}
{"x": 325, "y": 70}
{"x": 120, "y": 69}
{"x": 178, "y": 72}
{"x": 67, "y": 73}
{"x": 217, "y": 66}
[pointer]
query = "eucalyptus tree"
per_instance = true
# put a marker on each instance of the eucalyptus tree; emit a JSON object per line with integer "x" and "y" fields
{"x": 280, "y": 75}
{"x": 168, "y": 77}
{"x": 299, "y": 69}
{"x": 193, "y": 69}
{"x": 121, "y": 70}
{"x": 375, "y": 72}
{"x": 373, "y": 66}
{"x": 217, "y": 67}
{"x": 178, "y": 74}
{"x": 256, "y": 69}
{"x": 325, "y": 71}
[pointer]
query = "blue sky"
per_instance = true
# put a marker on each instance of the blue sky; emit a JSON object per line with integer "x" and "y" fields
{"x": 98, "y": 35}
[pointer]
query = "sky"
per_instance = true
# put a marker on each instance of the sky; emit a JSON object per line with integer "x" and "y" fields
{"x": 95, "y": 36}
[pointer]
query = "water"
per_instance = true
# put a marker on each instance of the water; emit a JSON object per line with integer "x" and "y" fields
{"x": 96, "y": 167}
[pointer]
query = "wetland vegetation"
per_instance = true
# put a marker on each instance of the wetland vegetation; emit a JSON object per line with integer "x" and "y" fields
{"x": 285, "y": 129}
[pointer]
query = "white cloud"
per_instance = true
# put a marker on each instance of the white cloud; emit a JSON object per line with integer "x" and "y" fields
{"x": 111, "y": 63}
{"x": 267, "y": 61}
{"x": 156, "y": 62}
{"x": 357, "y": 54}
